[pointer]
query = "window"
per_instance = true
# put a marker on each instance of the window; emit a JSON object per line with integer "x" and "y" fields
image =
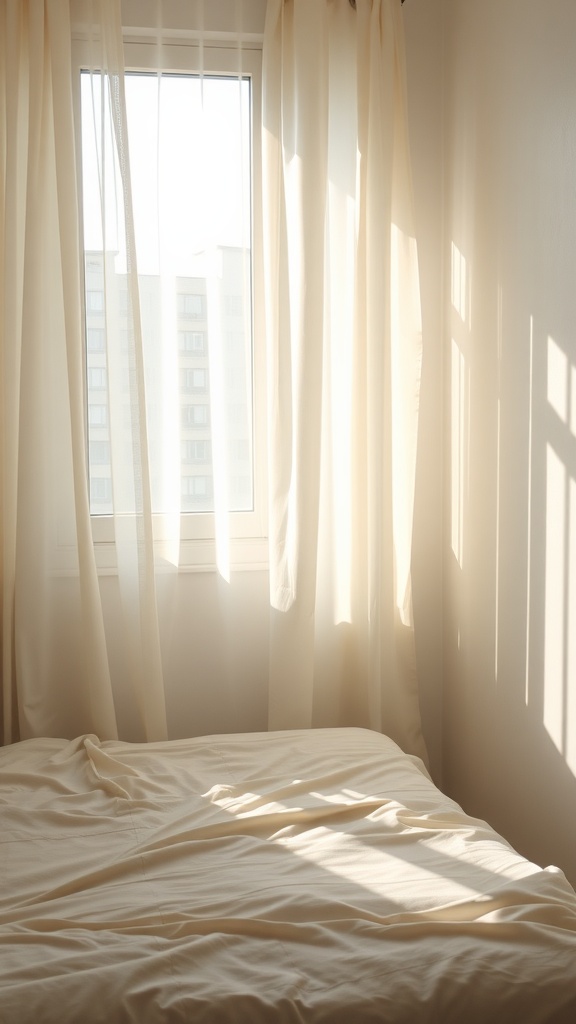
{"x": 197, "y": 492}
{"x": 192, "y": 341}
{"x": 95, "y": 339}
{"x": 234, "y": 305}
{"x": 97, "y": 415}
{"x": 196, "y": 451}
{"x": 95, "y": 301}
{"x": 214, "y": 279}
{"x": 197, "y": 486}
{"x": 192, "y": 307}
{"x": 99, "y": 453}
{"x": 194, "y": 379}
{"x": 194, "y": 415}
{"x": 96, "y": 378}
{"x": 101, "y": 489}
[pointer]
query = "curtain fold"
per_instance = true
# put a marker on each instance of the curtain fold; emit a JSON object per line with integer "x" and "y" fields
{"x": 55, "y": 677}
{"x": 344, "y": 349}
{"x": 124, "y": 369}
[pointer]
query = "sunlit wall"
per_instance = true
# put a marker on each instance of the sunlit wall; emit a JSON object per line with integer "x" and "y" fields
{"x": 510, "y": 400}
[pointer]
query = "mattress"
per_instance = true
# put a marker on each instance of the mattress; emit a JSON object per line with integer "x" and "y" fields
{"x": 302, "y": 876}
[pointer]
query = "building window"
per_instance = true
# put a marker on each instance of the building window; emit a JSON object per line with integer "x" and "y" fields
{"x": 197, "y": 486}
{"x": 191, "y": 306}
{"x": 196, "y": 451}
{"x": 97, "y": 415}
{"x": 234, "y": 305}
{"x": 96, "y": 378}
{"x": 99, "y": 453}
{"x": 101, "y": 489}
{"x": 195, "y": 416}
{"x": 95, "y": 301}
{"x": 195, "y": 379}
{"x": 192, "y": 341}
{"x": 95, "y": 339}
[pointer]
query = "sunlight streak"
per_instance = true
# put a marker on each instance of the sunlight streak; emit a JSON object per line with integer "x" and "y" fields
{"x": 498, "y": 482}
{"x": 169, "y": 434}
{"x": 529, "y": 512}
{"x": 340, "y": 406}
{"x": 459, "y": 400}
{"x": 555, "y": 605}
{"x": 457, "y": 450}
{"x": 557, "y": 386}
{"x": 570, "y": 679}
{"x": 459, "y": 282}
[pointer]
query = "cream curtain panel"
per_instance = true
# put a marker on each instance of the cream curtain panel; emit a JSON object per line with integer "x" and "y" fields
{"x": 344, "y": 366}
{"x": 343, "y": 359}
{"x": 56, "y": 672}
{"x": 55, "y": 677}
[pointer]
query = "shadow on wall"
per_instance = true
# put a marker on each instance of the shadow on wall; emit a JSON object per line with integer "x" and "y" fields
{"x": 511, "y": 642}
{"x": 522, "y": 571}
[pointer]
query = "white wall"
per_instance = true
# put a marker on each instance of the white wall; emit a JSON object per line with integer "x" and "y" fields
{"x": 510, "y": 387}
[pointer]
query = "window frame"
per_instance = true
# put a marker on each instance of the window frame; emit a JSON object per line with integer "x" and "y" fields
{"x": 247, "y": 530}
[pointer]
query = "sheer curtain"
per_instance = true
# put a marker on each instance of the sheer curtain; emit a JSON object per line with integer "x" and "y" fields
{"x": 99, "y": 428}
{"x": 117, "y": 371}
{"x": 84, "y": 426}
{"x": 344, "y": 335}
{"x": 55, "y": 676}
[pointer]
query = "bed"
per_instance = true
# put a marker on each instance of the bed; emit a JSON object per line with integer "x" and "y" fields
{"x": 300, "y": 876}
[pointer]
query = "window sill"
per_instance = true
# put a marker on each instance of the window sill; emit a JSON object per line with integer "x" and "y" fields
{"x": 195, "y": 549}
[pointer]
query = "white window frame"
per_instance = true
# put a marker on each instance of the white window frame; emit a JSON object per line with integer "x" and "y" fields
{"x": 247, "y": 530}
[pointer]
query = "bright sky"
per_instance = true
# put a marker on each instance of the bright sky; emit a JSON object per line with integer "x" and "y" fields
{"x": 189, "y": 141}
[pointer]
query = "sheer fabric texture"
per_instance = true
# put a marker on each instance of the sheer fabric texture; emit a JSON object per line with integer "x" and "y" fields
{"x": 344, "y": 332}
{"x": 55, "y": 676}
{"x": 343, "y": 346}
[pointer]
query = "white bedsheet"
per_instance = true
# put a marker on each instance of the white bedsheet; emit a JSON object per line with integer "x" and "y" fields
{"x": 313, "y": 876}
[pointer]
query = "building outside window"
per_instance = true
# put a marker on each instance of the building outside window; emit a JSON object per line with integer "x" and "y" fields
{"x": 205, "y": 323}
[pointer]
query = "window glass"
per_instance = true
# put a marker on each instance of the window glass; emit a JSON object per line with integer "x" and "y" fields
{"x": 193, "y": 231}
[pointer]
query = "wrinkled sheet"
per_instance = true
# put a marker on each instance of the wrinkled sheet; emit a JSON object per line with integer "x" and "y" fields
{"x": 313, "y": 876}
